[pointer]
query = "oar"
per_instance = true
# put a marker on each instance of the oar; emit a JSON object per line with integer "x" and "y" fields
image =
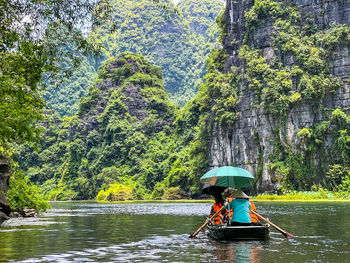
{"x": 285, "y": 233}
{"x": 206, "y": 223}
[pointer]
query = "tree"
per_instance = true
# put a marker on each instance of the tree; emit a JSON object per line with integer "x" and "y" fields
{"x": 25, "y": 57}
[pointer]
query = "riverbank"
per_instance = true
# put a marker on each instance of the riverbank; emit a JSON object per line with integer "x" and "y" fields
{"x": 292, "y": 196}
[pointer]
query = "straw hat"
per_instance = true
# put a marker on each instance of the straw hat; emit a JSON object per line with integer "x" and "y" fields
{"x": 236, "y": 193}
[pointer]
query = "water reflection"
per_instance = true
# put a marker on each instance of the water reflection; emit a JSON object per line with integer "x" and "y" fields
{"x": 158, "y": 232}
{"x": 173, "y": 248}
{"x": 241, "y": 251}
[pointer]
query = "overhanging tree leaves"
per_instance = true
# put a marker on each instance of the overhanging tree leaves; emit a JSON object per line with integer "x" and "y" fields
{"x": 24, "y": 57}
{"x": 24, "y": 24}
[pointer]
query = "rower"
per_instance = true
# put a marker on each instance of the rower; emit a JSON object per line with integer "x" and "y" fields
{"x": 219, "y": 202}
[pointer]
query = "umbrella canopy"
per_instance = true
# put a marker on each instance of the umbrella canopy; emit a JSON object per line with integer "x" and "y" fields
{"x": 228, "y": 176}
{"x": 212, "y": 189}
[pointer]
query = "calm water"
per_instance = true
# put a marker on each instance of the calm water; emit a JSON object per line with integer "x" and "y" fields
{"x": 158, "y": 232}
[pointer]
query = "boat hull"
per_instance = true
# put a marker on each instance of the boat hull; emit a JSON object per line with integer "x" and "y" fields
{"x": 231, "y": 233}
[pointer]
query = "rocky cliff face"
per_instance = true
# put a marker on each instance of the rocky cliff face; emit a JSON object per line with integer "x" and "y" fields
{"x": 251, "y": 141}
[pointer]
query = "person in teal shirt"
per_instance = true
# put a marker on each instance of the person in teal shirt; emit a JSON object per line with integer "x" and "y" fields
{"x": 240, "y": 206}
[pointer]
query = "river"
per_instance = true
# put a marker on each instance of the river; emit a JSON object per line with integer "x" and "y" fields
{"x": 158, "y": 232}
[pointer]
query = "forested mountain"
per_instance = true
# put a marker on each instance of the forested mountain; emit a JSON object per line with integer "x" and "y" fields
{"x": 178, "y": 43}
{"x": 125, "y": 133}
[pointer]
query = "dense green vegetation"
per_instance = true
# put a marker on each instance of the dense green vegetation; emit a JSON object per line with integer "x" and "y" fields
{"x": 23, "y": 194}
{"x": 125, "y": 136}
{"x": 25, "y": 57}
{"x": 178, "y": 43}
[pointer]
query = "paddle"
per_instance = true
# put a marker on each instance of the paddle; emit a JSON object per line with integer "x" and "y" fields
{"x": 206, "y": 223}
{"x": 286, "y": 234}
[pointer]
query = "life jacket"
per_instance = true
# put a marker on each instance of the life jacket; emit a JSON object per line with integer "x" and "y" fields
{"x": 217, "y": 207}
{"x": 253, "y": 217}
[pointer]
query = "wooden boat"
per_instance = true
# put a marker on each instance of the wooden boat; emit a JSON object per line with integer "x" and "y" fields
{"x": 231, "y": 233}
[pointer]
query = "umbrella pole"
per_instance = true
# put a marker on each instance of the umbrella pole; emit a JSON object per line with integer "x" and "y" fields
{"x": 228, "y": 201}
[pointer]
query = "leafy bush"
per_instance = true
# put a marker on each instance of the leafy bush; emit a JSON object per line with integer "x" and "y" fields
{"x": 158, "y": 191}
{"x": 62, "y": 194}
{"x": 115, "y": 192}
{"x": 23, "y": 194}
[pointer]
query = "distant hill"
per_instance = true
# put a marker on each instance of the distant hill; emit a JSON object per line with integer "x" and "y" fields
{"x": 179, "y": 44}
{"x": 124, "y": 132}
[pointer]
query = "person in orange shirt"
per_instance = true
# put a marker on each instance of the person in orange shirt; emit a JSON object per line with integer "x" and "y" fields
{"x": 219, "y": 202}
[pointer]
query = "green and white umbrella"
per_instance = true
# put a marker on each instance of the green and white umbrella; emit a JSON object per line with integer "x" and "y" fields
{"x": 228, "y": 176}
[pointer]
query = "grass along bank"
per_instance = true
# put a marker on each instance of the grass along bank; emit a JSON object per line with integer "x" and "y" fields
{"x": 305, "y": 196}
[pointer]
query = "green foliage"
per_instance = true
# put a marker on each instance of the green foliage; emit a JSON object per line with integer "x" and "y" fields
{"x": 272, "y": 81}
{"x": 25, "y": 58}
{"x": 173, "y": 193}
{"x": 296, "y": 169}
{"x": 21, "y": 103}
{"x": 217, "y": 95}
{"x": 221, "y": 22}
{"x": 335, "y": 176}
{"x": 158, "y": 191}
{"x": 340, "y": 117}
{"x": 340, "y": 122}
{"x": 335, "y": 36}
{"x": 115, "y": 192}
{"x": 23, "y": 194}
{"x": 221, "y": 89}
{"x": 269, "y": 8}
{"x": 343, "y": 189}
{"x": 177, "y": 42}
{"x": 110, "y": 141}
{"x": 61, "y": 193}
